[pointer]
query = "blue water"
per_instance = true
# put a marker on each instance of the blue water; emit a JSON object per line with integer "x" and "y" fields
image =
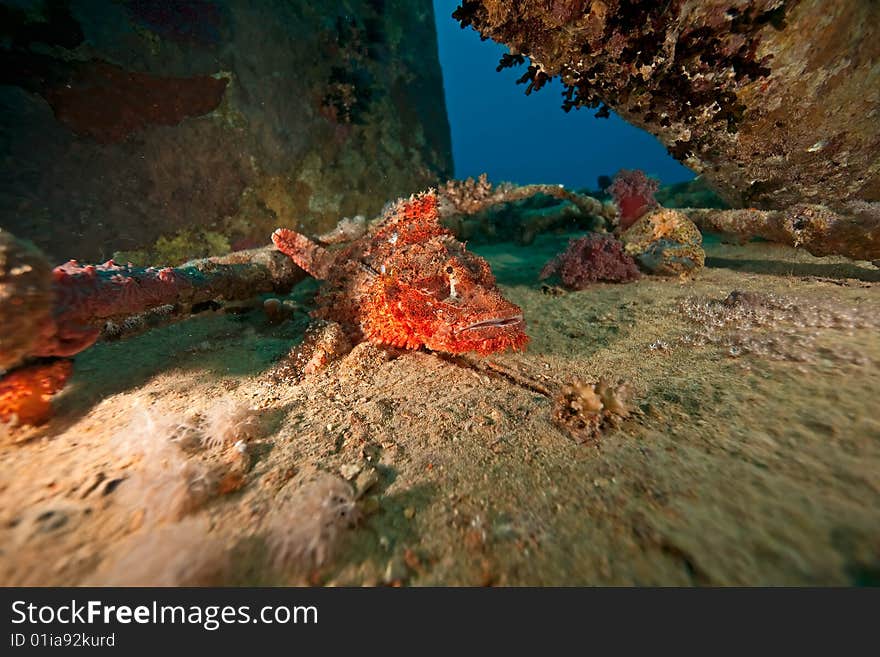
{"x": 496, "y": 128}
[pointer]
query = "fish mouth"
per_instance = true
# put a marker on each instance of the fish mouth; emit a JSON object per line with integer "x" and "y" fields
{"x": 494, "y": 322}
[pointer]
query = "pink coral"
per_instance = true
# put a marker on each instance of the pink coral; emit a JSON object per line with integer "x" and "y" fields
{"x": 590, "y": 259}
{"x": 633, "y": 192}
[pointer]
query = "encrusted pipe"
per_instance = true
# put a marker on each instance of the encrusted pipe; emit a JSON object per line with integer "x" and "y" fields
{"x": 853, "y": 232}
{"x": 59, "y": 312}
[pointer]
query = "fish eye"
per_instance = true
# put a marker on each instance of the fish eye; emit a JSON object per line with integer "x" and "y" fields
{"x": 449, "y": 269}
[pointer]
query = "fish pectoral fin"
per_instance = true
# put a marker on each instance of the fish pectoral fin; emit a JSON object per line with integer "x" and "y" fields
{"x": 313, "y": 258}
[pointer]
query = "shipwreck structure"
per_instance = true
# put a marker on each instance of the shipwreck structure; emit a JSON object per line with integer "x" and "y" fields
{"x": 774, "y": 102}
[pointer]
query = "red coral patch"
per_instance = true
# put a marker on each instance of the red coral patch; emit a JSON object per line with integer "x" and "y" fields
{"x": 25, "y": 392}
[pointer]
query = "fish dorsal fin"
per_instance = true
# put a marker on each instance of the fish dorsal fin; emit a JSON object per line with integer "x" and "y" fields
{"x": 412, "y": 220}
{"x": 313, "y": 258}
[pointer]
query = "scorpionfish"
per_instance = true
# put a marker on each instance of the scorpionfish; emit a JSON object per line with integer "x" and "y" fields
{"x": 409, "y": 283}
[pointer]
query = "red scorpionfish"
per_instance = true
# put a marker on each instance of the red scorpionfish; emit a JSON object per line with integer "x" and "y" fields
{"x": 409, "y": 283}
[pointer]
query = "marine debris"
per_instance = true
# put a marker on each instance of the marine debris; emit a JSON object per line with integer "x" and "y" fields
{"x": 83, "y": 298}
{"x": 853, "y": 230}
{"x": 408, "y": 283}
{"x": 590, "y": 259}
{"x": 471, "y": 196}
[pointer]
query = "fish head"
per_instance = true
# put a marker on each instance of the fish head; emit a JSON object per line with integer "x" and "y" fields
{"x": 438, "y": 294}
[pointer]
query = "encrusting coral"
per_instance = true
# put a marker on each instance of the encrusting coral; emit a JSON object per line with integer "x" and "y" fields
{"x": 83, "y": 298}
{"x": 86, "y": 296}
{"x": 59, "y": 312}
{"x": 852, "y": 230}
{"x": 468, "y": 207}
{"x": 471, "y": 196}
{"x": 662, "y": 241}
{"x": 747, "y": 93}
{"x": 591, "y": 259}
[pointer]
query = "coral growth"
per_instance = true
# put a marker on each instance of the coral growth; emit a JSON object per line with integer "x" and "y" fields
{"x": 305, "y": 531}
{"x": 590, "y": 259}
{"x": 210, "y": 172}
{"x": 633, "y": 193}
{"x": 409, "y": 283}
{"x": 25, "y": 298}
{"x": 474, "y": 211}
{"x": 85, "y": 295}
{"x": 852, "y": 230}
{"x": 611, "y": 49}
{"x": 227, "y": 422}
{"x": 585, "y": 409}
{"x": 469, "y": 208}
{"x": 731, "y": 87}
{"x": 107, "y": 103}
{"x": 466, "y": 197}
{"x": 86, "y": 298}
{"x": 665, "y": 242}
{"x": 771, "y": 326}
{"x": 25, "y": 393}
{"x": 166, "y": 485}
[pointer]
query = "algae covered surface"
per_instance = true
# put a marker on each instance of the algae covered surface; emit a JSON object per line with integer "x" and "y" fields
{"x": 751, "y": 455}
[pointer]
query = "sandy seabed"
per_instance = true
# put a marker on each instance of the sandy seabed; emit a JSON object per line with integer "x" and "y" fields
{"x": 751, "y": 457}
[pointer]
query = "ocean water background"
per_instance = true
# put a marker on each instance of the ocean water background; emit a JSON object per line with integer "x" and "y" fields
{"x": 496, "y": 128}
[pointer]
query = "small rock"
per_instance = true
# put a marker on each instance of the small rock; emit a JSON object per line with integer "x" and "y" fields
{"x": 396, "y": 570}
{"x": 349, "y": 471}
{"x": 409, "y": 513}
{"x": 365, "y": 481}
